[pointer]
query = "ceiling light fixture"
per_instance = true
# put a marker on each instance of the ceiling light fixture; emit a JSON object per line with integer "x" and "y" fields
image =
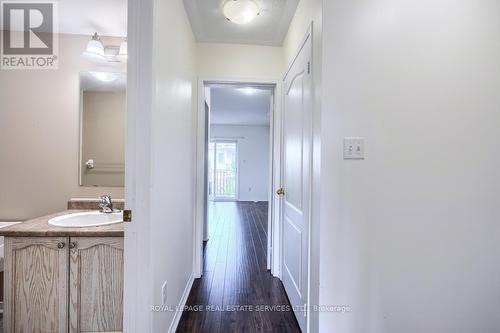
{"x": 248, "y": 90}
{"x": 241, "y": 11}
{"x": 104, "y": 77}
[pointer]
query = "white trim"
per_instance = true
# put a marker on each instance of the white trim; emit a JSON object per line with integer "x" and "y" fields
{"x": 200, "y": 165}
{"x": 200, "y": 194}
{"x": 140, "y": 80}
{"x": 275, "y": 200}
{"x": 182, "y": 303}
{"x": 80, "y": 134}
{"x": 270, "y": 208}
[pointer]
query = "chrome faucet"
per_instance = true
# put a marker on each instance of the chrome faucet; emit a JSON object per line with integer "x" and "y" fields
{"x": 106, "y": 204}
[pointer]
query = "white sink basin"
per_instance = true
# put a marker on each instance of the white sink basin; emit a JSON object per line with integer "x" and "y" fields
{"x": 86, "y": 219}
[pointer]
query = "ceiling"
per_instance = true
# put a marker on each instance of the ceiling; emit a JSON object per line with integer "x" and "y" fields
{"x": 269, "y": 28}
{"x": 84, "y": 17}
{"x": 240, "y": 106}
{"x": 107, "y": 17}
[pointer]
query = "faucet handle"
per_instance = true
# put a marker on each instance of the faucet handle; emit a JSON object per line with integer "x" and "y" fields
{"x": 105, "y": 199}
{"x": 106, "y": 204}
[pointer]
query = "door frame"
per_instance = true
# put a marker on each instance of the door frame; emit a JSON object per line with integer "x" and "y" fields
{"x": 140, "y": 101}
{"x": 273, "y": 248}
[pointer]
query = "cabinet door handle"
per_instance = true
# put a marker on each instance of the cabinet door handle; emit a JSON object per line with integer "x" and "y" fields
{"x": 61, "y": 245}
{"x": 72, "y": 245}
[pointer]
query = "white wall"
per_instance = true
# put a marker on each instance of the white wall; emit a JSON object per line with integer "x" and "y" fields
{"x": 173, "y": 165}
{"x": 253, "y": 158}
{"x": 160, "y": 188}
{"x": 40, "y": 135}
{"x": 307, "y": 12}
{"x": 410, "y": 236}
{"x": 235, "y": 61}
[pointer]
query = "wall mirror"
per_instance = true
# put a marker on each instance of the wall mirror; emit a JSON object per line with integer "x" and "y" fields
{"x": 102, "y": 128}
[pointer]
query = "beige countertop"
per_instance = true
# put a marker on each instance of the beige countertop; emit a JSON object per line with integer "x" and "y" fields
{"x": 39, "y": 227}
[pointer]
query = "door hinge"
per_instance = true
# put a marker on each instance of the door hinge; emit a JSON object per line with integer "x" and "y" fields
{"x": 308, "y": 67}
{"x": 127, "y": 215}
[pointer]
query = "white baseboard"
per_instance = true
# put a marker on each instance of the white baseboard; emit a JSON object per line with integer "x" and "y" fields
{"x": 182, "y": 303}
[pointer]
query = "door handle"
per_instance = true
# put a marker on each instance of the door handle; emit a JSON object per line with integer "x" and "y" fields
{"x": 72, "y": 245}
{"x": 280, "y": 191}
{"x": 61, "y": 245}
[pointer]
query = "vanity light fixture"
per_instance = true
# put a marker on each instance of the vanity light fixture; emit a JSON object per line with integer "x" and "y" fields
{"x": 94, "y": 47}
{"x": 122, "y": 53}
{"x": 96, "y": 51}
{"x": 123, "y": 47}
{"x": 241, "y": 11}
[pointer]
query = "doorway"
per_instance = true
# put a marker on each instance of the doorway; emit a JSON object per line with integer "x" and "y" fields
{"x": 238, "y": 147}
{"x": 233, "y": 115}
{"x": 238, "y": 199}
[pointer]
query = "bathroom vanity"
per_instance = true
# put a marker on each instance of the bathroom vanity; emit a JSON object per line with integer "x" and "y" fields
{"x": 63, "y": 279}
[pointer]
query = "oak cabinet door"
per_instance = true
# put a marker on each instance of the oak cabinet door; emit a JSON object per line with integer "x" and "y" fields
{"x": 36, "y": 284}
{"x": 96, "y": 284}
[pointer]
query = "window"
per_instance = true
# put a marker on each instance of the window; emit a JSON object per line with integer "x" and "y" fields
{"x": 222, "y": 170}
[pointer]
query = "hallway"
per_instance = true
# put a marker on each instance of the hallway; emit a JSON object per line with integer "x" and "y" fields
{"x": 236, "y": 284}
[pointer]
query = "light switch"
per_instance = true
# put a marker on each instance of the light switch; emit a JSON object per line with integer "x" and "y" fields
{"x": 354, "y": 148}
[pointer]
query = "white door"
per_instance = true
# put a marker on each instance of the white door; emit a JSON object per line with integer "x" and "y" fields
{"x": 297, "y": 139}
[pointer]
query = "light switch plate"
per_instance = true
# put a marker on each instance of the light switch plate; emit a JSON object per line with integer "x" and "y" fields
{"x": 354, "y": 148}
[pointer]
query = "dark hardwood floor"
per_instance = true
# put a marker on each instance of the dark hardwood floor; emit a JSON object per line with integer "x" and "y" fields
{"x": 236, "y": 287}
